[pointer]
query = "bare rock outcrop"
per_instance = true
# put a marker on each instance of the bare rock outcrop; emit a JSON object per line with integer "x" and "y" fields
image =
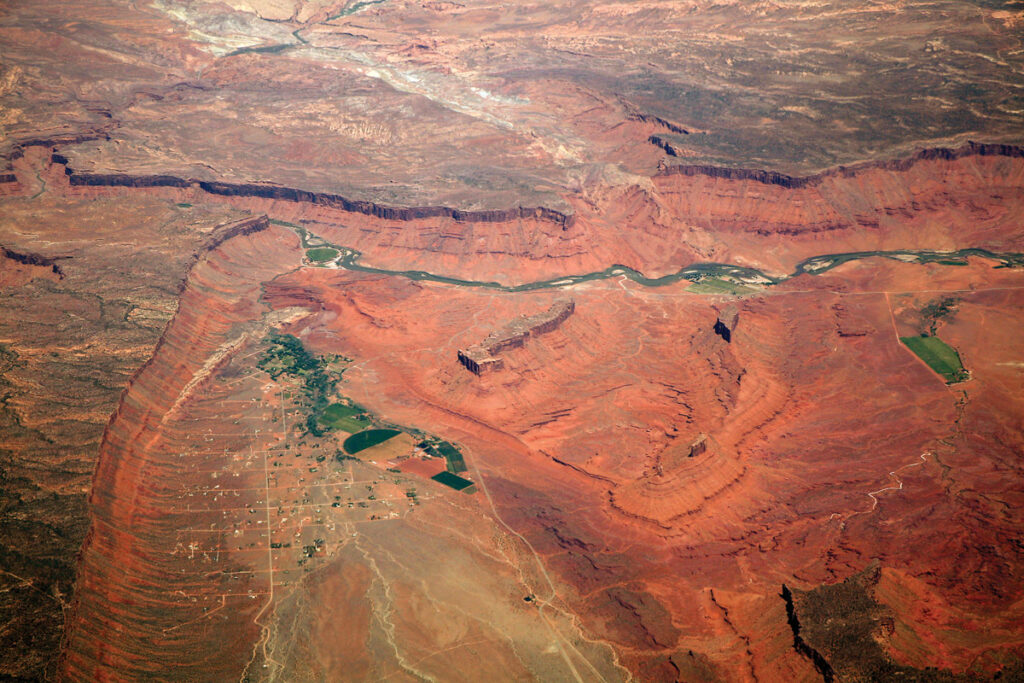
{"x": 483, "y": 357}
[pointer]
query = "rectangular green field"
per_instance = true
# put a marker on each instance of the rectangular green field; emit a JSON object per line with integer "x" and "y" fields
{"x": 345, "y": 417}
{"x": 940, "y": 357}
{"x": 453, "y": 456}
{"x": 451, "y": 480}
{"x": 360, "y": 441}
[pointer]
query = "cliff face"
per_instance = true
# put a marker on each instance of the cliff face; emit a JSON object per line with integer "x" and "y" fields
{"x": 331, "y": 201}
{"x": 937, "y": 199}
{"x": 586, "y": 442}
{"x": 8, "y": 180}
{"x": 799, "y": 644}
{"x": 969, "y": 149}
{"x": 81, "y": 311}
{"x": 37, "y": 265}
{"x": 907, "y": 203}
{"x": 482, "y": 357}
{"x": 135, "y": 559}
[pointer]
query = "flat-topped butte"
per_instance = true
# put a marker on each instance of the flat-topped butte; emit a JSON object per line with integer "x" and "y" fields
{"x": 483, "y": 357}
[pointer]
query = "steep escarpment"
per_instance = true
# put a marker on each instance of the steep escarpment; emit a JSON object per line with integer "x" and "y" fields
{"x": 327, "y": 200}
{"x": 223, "y": 233}
{"x": 795, "y": 182}
{"x": 137, "y": 576}
{"x": 483, "y": 356}
{"x": 30, "y": 259}
{"x": 70, "y": 341}
{"x": 681, "y": 482}
{"x": 665, "y": 146}
{"x": 17, "y": 268}
{"x": 799, "y": 644}
{"x": 843, "y": 629}
{"x": 937, "y": 199}
{"x": 8, "y": 178}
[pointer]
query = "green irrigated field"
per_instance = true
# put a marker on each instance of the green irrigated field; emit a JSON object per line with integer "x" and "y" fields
{"x": 371, "y": 437}
{"x": 940, "y": 357}
{"x": 451, "y": 480}
{"x": 321, "y": 254}
{"x": 455, "y": 462}
{"x": 714, "y": 285}
{"x": 348, "y": 418}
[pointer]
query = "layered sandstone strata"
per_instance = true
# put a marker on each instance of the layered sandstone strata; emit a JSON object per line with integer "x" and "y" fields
{"x": 134, "y": 579}
{"x": 484, "y": 357}
{"x": 710, "y": 214}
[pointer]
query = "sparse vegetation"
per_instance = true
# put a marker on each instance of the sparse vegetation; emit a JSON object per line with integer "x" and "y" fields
{"x": 342, "y": 456}
{"x": 714, "y": 285}
{"x": 844, "y": 624}
{"x": 936, "y": 311}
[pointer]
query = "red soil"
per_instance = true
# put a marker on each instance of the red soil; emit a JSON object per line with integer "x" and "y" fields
{"x": 424, "y": 467}
{"x": 781, "y": 493}
{"x": 829, "y": 443}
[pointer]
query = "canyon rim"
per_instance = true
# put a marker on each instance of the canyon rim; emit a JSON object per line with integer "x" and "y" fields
{"x": 468, "y": 341}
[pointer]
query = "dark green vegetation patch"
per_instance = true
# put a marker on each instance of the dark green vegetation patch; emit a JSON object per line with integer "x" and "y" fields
{"x": 940, "y": 357}
{"x": 937, "y": 310}
{"x": 452, "y": 480}
{"x": 321, "y": 254}
{"x": 442, "y": 449}
{"x": 287, "y": 356}
{"x": 371, "y": 437}
{"x": 839, "y": 627}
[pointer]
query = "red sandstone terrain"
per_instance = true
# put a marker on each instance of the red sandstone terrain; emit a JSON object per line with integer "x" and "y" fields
{"x": 789, "y": 467}
{"x": 943, "y": 200}
{"x": 740, "y": 472}
{"x": 666, "y": 558}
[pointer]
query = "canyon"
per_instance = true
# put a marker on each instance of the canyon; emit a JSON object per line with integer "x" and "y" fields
{"x": 664, "y": 435}
{"x": 643, "y": 274}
